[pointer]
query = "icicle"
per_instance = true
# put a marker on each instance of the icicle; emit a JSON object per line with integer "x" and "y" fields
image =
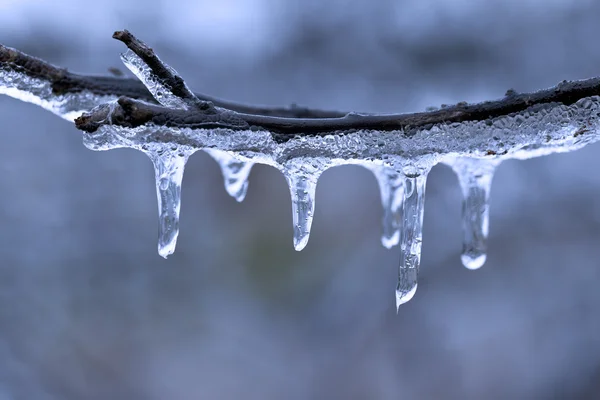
{"x": 391, "y": 188}
{"x": 475, "y": 178}
{"x": 168, "y": 169}
{"x": 302, "y": 180}
{"x": 235, "y": 173}
{"x": 302, "y": 189}
{"x": 410, "y": 237}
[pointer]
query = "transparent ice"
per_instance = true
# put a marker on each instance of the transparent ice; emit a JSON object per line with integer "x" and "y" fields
{"x": 168, "y": 169}
{"x": 411, "y": 237}
{"x": 15, "y": 83}
{"x": 235, "y": 172}
{"x": 155, "y": 85}
{"x": 475, "y": 179}
{"x": 391, "y": 189}
{"x": 302, "y": 177}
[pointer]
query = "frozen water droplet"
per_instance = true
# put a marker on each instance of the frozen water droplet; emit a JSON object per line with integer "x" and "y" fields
{"x": 411, "y": 235}
{"x": 473, "y": 260}
{"x": 302, "y": 177}
{"x": 168, "y": 169}
{"x": 155, "y": 86}
{"x": 391, "y": 188}
{"x": 475, "y": 179}
{"x": 235, "y": 173}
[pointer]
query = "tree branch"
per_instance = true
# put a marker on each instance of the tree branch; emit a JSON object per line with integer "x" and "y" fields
{"x": 169, "y": 123}
{"x": 533, "y": 113}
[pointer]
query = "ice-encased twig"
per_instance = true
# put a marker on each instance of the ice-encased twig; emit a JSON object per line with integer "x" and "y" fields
{"x": 235, "y": 173}
{"x": 162, "y": 81}
{"x": 411, "y": 238}
{"x": 475, "y": 179}
{"x": 391, "y": 190}
{"x": 154, "y": 85}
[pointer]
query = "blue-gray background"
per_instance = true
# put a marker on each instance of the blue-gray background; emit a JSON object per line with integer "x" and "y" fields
{"x": 88, "y": 310}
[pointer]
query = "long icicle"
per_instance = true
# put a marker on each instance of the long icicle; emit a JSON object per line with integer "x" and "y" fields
{"x": 235, "y": 173}
{"x": 475, "y": 179}
{"x": 168, "y": 169}
{"x": 411, "y": 235}
{"x": 391, "y": 189}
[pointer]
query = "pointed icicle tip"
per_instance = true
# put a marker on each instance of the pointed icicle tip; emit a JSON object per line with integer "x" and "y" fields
{"x": 475, "y": 179}
{"x": 403, "y": 296}
{"x": 235, "y": 173}
{"x": 168, "y": 168}
{"x": 391, "y": 189}
{"x": 411, "y": 236}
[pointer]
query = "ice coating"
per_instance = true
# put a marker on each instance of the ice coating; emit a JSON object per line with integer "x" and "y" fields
{"x": 168, "y": 170}
{"x": 302, "y": 177}
{"x": 235, "y": 173}
{"x": 155, "y": 86}
{"x": 411, "y": 237}
{"x": 17, "y": 84}
{"x": 539, "y": 130}
{"x": 475, "y": 179}
{"x": 391, "y": 189}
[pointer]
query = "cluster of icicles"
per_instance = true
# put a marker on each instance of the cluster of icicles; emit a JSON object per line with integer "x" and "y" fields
{"x": 402, "y": 198}
{"x": 402, "y": 195}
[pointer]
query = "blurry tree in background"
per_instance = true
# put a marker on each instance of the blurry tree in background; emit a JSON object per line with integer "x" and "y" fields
{"x": 88, "y": 310}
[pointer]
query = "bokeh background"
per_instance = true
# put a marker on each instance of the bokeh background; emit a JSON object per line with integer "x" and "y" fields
{"x": 88, "y": 310}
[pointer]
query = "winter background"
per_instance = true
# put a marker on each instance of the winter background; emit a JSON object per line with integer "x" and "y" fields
{"x": 88, "y": 310}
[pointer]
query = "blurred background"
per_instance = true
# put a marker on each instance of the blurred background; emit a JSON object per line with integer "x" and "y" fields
{"x": 88, "y": 310}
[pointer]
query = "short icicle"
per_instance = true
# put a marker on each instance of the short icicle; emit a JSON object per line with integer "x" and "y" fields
{"x": 475, "y": 179}
{"x": 391, "y": 189}
{"x": 302, "y": 179}
{"x": 235, "y": 173}
{"x": 411, "y": 234}
{"x": 168, "y": 169}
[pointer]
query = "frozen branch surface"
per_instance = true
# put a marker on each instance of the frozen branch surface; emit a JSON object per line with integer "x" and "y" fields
{"x": 162, "y": 117}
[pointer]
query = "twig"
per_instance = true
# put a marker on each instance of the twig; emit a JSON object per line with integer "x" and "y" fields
{"x": 166, "y": 76}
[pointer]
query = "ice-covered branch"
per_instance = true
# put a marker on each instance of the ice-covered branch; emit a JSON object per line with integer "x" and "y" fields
{"x": 61, "y": 83}
{"x": 400, "y": 149}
